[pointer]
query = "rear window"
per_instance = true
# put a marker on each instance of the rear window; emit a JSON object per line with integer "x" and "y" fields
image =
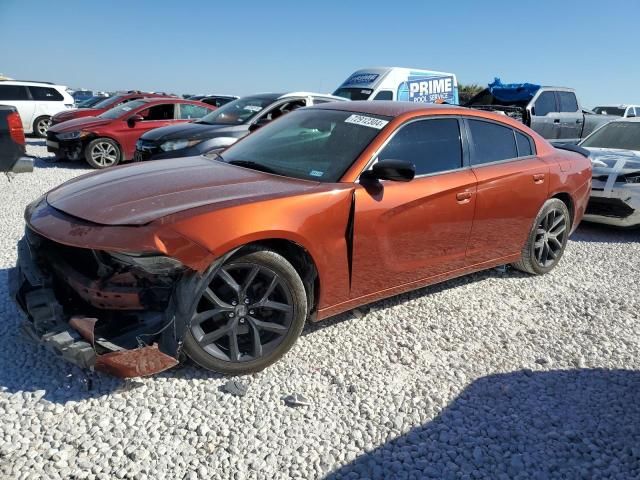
{"x": 45, "y": 94}
{"x": 623, "y": 135}
{"x": 13, "y": 92}
{"x": 609, "y": 111}
{"x": 568, "y": 102}
{"x": 491, "y": 142}
{"x": 524, "y": 144}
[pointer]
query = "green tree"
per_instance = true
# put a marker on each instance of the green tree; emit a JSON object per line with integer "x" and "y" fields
{"x": 467, "y": 90}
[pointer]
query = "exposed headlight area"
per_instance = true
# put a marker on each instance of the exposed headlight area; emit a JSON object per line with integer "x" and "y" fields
{"x": 148, "y": 262}
{"x": 73, "y": 135}
{"x": 178, "y": 144}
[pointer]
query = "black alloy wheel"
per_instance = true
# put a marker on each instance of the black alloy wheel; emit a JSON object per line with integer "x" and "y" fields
{"x": 249, "y": 314}
{"x": 547, "y": 239}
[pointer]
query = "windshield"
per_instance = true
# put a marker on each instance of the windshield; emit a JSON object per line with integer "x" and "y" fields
{"x": 121, "y": 110}
{"x": 108, "y": 102}
{"x": 310, "y": 144}
{"x": 354, "y": 93}
{"x": 237, "y": 112}
{"x": 609, "y": 111}
{"x": 622, "y": 135}
{"x": 90, "y": 102}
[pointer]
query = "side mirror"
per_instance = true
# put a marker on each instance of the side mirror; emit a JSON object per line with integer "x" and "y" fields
{"x": 133, "y": 119}
{"x": 260, "y": 123}
{"x": 395, "y": 170}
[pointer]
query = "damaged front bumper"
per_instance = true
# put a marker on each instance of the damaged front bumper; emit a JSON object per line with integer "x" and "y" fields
{"x": 120, "y": 323}
{"x": 618, "y": 205}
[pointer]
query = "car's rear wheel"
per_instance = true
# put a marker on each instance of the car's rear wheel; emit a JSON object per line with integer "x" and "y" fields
{"x": 547, "y": 239}
{"x": 250, "y": 313}
{"x": 102, "y": 153}
{"x": 41, "y": 126}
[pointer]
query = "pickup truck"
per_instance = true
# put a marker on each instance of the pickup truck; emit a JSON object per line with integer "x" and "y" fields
{"x": 553, "y": 112}
{"x": 12, "y": 143}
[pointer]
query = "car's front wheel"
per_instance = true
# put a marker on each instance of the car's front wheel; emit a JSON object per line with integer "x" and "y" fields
{"x": 102, "y": 153}
{"x": 249, "y": 314}
{"x": 547, "y": 239}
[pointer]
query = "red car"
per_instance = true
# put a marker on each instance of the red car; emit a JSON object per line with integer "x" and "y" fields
{"x": 102, "y": 106}
{"x": 110, "y": 138}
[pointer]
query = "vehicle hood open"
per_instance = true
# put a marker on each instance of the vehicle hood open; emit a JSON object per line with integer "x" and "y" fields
{"x": 79, "y": 123}
{"x": 190, "y": 131}
{"x": 609, "y": 161}
{"x": 140, "y": 193}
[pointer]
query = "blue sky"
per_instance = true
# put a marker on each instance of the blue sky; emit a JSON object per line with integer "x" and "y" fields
{"x": 256, "y": 46}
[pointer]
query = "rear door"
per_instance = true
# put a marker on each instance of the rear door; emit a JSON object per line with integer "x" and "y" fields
{"x": 544, "y": 115}
{"x": 512, "y": 186}
{"x": 406, "y": 232}
{"x": 18, "y": 96}
{"x": 571, "y": 118}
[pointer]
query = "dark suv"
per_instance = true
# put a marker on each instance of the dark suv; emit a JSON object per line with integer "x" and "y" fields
{"x": 224, "y": 126}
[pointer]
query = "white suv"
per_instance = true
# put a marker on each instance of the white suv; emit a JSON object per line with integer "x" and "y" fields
{"x": 36, "y": 102}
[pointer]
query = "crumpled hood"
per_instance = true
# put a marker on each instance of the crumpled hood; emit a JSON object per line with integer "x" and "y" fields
{"x": 140, "y": 193}
{"x": 610, "y": 161}
{"x": 79, "y": 123}
{"x": 190, "y": 131}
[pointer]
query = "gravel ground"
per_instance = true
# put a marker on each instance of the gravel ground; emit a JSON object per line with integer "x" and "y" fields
{"x": 494, "y": 375}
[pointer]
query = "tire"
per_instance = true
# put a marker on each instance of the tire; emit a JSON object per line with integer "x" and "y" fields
{"x": 102, "y": 153}
{"x": 40, "y": 126}
{"x": 209, "y": 339}
{"x": 547, "y": 239}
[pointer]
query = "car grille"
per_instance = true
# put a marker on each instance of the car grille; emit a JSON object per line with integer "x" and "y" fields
{"x": 608, "y": 207}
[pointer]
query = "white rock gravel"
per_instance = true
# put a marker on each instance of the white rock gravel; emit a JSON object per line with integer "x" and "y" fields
{"x": 495, "y": 375}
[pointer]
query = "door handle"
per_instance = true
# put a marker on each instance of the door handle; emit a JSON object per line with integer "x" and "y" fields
{"x": 557, "y": 120}
{"x": 538, "y": 178}
{"x": 463, "y": 197}
{"x": 578, "y": 121}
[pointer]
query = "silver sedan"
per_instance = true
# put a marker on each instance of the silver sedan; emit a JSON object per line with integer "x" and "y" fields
{"x": 615, "y": 154}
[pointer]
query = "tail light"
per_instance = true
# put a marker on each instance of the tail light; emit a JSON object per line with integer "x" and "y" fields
{"x": 15, "y": 128}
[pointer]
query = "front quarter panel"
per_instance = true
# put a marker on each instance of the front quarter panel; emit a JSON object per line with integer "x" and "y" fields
{"x": 316, "y": 221}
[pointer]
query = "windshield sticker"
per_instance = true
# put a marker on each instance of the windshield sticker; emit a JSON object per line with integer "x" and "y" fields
{"x": 253, "y": 108}
{"x": 366, "y": 121}
{"x": 126, "y": 109}
{"x": 316, "y": 173}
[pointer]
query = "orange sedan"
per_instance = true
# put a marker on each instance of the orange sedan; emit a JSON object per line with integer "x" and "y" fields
{"x": 330, "y": 207}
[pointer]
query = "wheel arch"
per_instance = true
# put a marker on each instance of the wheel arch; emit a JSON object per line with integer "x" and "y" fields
{"x": 301, "y": 260}
{"x": 569, "y": 202}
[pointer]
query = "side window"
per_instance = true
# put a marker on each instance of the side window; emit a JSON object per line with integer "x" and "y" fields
{"x": 46, "y": 94}
{"x": 546, "y": 103}
{"x": 491, "y": 142}
{"x": 568, "y": 102}
{"x": 384, "y": 95}
{"x": 431, "y": 145}
{"x": 524, "y": 144}
{"x": 189, "y": 112}
{"x": 159, "y": 112}
{"x": 13, "y": 92}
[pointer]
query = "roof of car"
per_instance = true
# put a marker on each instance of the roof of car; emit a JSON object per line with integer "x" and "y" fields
{"x": 31, "y": 83}
{"x": 388, "y": 108}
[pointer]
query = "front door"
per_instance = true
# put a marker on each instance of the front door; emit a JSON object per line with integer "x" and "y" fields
{"x": 406, "y": 232}
{"x": 156, "y": 116}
